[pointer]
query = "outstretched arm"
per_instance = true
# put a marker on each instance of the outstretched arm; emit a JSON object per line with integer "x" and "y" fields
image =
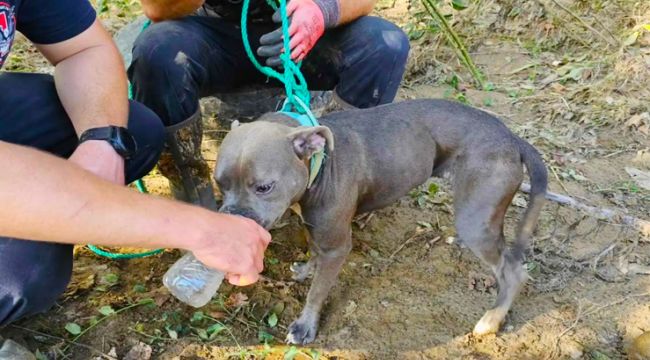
{"x": 50, "y": 199}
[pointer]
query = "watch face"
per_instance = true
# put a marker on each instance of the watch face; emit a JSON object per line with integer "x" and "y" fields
{"x": 123, "y": 142}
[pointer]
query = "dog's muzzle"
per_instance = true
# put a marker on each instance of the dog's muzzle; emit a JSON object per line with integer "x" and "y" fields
{"x": 247, "y": 213}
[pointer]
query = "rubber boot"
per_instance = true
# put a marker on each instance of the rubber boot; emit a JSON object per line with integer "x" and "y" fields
{"x": 11, "y": 350}
{"x": 183, "y": 165}
{"x": 330, "y": 104}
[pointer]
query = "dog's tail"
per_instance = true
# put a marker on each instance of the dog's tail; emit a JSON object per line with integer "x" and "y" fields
{"x": 538, "y": 184}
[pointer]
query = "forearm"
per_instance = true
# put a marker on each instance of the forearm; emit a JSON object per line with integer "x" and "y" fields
{"x": 158, "y": 10}
{"x": 351, "y": 10}
{"x": 92, "y": 86}
{"x": 49, "y": 199}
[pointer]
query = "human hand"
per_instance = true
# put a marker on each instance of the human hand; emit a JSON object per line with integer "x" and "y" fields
{"x": 306, "y": 26}
{"x": 234, "y": 245}
{"x": 99, "y": 157}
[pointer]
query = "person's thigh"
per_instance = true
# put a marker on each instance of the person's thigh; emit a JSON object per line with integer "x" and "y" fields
{"x": 32, "y": 115}
{"x": 32, "y": 277}
{"x": 177, "y": 62}
{"x": 363, "y": 60}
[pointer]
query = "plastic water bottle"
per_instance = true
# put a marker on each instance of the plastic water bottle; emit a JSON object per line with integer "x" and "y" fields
{"x": 192, "y": 282}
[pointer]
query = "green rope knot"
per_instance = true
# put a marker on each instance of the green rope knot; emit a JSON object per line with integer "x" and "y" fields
{"x": 295, "y": 85}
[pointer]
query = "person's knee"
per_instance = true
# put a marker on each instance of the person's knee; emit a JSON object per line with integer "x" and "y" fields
{"x": 156, "y": 51}
{"x": 37, "y": 293}
{"x": 385, "y": 40}
{"x": 149, "y": 133}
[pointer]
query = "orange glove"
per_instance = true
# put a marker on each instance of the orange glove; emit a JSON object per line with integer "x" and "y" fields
{"x": 307, "y": 23}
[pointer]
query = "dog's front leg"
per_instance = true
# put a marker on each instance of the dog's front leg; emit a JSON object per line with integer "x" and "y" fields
{"x": 330, "y": 248}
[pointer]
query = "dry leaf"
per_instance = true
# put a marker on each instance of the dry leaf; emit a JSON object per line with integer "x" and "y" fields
{"x": 635, "y": 121}
{"x": 631, "y": 39}
{"x": 519, "y": 201}
{"x": 141, "y": 351}
{"x": 237, "y": 300}
{"x": 217, "y": 315}
{"x": 297, "y": 210}
{"x": 642, "y": 157}
{"x": 641, "y": 178}
{"x": 638, "y": 120}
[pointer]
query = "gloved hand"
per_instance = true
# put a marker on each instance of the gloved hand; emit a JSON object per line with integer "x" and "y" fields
{"x": 306, "y": 25}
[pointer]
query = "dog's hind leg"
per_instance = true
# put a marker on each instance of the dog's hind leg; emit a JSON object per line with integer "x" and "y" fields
{"x": 481, "y": 201}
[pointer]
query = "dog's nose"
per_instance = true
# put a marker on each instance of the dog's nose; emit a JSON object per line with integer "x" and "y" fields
{"x": 247, "y": 213}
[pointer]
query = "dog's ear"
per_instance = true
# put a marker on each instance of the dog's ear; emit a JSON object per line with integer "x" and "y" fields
{"x": 307, "y": 140}
{"x": 234, "y": 124}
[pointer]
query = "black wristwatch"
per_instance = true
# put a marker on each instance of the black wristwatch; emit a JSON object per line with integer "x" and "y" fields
{"x": 118, "y": 137}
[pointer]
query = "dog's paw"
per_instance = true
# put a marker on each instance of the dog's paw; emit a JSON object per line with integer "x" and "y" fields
{"x": 302, "y": 332}
{"x": 301, "y": 271}
{"x": 489, "y": 323}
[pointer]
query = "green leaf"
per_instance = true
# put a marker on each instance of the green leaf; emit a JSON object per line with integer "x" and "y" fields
{"x": 454, "y": 81}
{"x": 597, "y": 355}
{"x": 110, "y": 279}
{"x": 272, "y": 320}
{"x": 425, "y": 224}
{"x": 172, "y": 334}
{"x": 460, "y": 4}
{"x": 203, "y": 334}
{"x": 139, "y": 288}
{"x": 291, "y": 353}
{"x": 433, "y": 189}
{"x": 274, "y": 261}
{"x": 198, "y": 316}
{"x": 106, "y": 310}
{"x": 73, "y": 328}
{"x": 264, "y": 337}
{"x": 216, "y": 329}
{"x": 39, "y": 355}
{"x": 315, "y": 355}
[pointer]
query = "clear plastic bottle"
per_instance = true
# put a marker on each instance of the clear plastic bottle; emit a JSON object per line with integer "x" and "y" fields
{"x": 192, "y": 282}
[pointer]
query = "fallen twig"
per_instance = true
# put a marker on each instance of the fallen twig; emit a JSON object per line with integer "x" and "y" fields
{"x": 410, "y": 240}
{"x": 569, "y": 328}
{"x": 90, "y": 348}
{"x": 584, "y": 23}
{"x": 581, "y": 313}
{"x": 611, "y": 215}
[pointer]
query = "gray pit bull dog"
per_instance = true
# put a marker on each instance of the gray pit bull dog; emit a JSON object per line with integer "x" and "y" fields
{"x": 380, "y": 155}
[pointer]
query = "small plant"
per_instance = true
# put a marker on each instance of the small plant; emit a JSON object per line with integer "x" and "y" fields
{"x": 453, "y": 38}
{"x": 424, "y": 196}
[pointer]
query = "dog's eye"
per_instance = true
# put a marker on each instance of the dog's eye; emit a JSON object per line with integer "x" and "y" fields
{"x": 264, "y": 188}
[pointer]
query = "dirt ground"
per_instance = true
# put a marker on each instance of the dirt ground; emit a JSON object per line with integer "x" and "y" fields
{"x": 576, "y": 89}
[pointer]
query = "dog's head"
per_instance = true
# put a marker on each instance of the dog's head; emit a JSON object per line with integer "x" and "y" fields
{"x": 263, "y": 167}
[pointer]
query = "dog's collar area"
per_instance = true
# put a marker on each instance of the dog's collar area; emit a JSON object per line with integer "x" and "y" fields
{"x": 317, "y": 159}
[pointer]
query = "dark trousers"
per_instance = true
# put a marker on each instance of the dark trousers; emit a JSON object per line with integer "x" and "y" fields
{"x": 175, "y": 63}
{"x": 34, "y": 274}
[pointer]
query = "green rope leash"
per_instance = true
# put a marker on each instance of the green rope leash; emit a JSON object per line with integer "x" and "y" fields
{"x": 295, "y": 85}
{"x": 139, "y": 184}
